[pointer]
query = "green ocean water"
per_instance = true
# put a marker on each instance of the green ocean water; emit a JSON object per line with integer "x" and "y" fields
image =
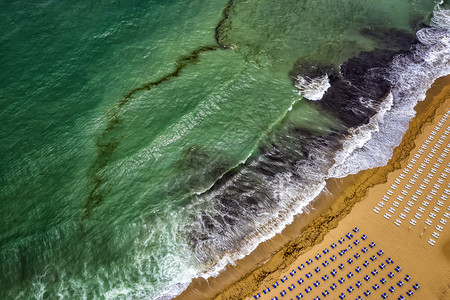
{"x": 116, "y": 115}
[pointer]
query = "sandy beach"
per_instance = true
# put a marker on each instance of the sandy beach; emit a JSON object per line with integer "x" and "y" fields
{"x": 413, "y": 242}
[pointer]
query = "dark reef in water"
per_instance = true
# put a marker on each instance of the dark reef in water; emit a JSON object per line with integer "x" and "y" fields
{"x": 362, "y": 83}
{"x": 390, "y": 38}
{"x": 246, "y": 192}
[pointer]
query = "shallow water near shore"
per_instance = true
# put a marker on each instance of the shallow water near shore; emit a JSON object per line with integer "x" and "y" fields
{"x": 146, "y": 143}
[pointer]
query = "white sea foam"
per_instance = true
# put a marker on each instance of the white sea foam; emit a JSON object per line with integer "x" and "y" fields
{"x": 312, "y": 88}
{"x": 411, "y": 75}
{"x": 293, "y": 200}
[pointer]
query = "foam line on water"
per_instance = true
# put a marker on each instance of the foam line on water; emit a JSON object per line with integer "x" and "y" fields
{"x": 312, "y": 88}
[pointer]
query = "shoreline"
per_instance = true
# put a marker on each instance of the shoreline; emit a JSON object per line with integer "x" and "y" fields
{"x": 308, "y": 229}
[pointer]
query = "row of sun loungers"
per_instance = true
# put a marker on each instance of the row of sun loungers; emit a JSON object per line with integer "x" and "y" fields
{"x": 432, "y": 207}
{"x": 322, "y": 279}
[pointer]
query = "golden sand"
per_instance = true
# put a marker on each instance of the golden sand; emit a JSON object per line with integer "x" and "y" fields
{"x": 406, "y": 244}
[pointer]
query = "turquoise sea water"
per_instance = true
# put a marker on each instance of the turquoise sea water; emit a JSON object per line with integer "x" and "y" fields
{"x": 145, "y": 143}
